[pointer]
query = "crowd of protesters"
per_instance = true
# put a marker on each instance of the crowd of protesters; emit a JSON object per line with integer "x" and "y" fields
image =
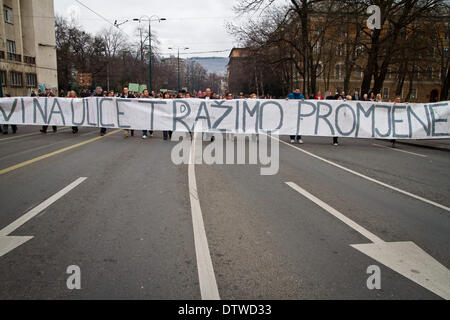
{"x": 207, "y": 94}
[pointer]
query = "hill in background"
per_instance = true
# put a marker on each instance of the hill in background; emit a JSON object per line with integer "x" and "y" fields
{"x": 216, "y": 65}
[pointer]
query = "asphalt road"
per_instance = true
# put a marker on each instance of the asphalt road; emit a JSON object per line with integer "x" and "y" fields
{"x": 129, "y": 225}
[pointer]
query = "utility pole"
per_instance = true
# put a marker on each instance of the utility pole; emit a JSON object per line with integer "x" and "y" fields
{"x": 178, "y": 63}
{"x": 150, "y": 19}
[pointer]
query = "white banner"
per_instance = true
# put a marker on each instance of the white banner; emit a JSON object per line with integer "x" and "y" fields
{"x": 357, "y": 119}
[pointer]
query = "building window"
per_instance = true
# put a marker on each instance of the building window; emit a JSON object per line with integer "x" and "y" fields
{"x": 11, "y": 50}
{"x": 319, "y": 69}
{"x": 3, "y": 77}
{"x": 339, "y": 71}
{"x": 389, "y": 73}
{"x": 343, "y": 33}
{"x": 318, "y": 30}
{"x": 429, "y": 73}
{"x": 15, "y": 79}
{"x": 31, "y": 80}
{"x": 413, "y": 93}
{"x": 385, "y": 93}
{"x": 358, "y": 71}
{"x": 29, "y": 60}
{"x": 415, "y": 72}
{"x": 340, "y": 50}
{"x": 8, "y": 14}
{"x": 445, "y": 52}
{"x": 316, "y": 48}
{"x": 10, "y": 46}
{"x": 446, "y": 35}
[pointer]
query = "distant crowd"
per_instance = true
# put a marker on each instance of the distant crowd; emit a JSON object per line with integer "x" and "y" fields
{"x": 166, "y": 94}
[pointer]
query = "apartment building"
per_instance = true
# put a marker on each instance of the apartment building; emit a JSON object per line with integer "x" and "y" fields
{"x": 27, "y": 46}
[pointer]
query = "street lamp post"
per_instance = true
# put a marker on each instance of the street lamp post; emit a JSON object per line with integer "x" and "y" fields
{"x": 150, "y": 19}
{"x": 178, "y": 63}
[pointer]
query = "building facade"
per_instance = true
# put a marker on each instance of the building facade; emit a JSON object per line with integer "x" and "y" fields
{"x": 417, "y": 71}
{"x": 27, "y": 46}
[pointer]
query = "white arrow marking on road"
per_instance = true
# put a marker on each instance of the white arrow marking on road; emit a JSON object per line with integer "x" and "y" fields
{"x": 405, "y": 258}
{"x": 9, "y": 243}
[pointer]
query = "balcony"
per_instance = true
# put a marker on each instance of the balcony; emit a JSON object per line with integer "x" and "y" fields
{"x": 29, "y": 60}
{"x": 14, "y": 57}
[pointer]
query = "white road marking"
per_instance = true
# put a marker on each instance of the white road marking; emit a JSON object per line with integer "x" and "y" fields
{"x": 406, "y": 258}
{"x": 335, "y": 213}
{"x": 441, "y": 206}
{"x": 8, "y": 243}
{"x": 399, "y": 150}
{"x": 206, "y": 276}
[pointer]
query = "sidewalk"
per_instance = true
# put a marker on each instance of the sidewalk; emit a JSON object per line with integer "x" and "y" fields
{"x": 437, "y": 144}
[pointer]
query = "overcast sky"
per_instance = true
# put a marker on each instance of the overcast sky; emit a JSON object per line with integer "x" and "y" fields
{"x": 197, "y": 24}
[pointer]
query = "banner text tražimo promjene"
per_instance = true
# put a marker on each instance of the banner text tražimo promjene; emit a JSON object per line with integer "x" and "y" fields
{"x": 358, "y": 119}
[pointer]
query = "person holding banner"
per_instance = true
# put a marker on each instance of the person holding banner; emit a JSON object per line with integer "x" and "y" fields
{"x": 145, "y": 95}
{"x": 356, "y": 96}
{"x": 5, "y": 129}
{"x": 295, "y": 95}
{"x": 99, "y": 93}
{"x": 336, "y": 97}
{"x": 167, "y": 134}
{"x": 318, "y": 96}
{"x": 379, "y": 98}
{"x": 5, "y": 126}
{"x": 210, "y": 96}
{"x": 48, "y": 93}
{"x": 126, "y": 95}
{"x": 398, "y": 99}
{"x": 72, "y": 94}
